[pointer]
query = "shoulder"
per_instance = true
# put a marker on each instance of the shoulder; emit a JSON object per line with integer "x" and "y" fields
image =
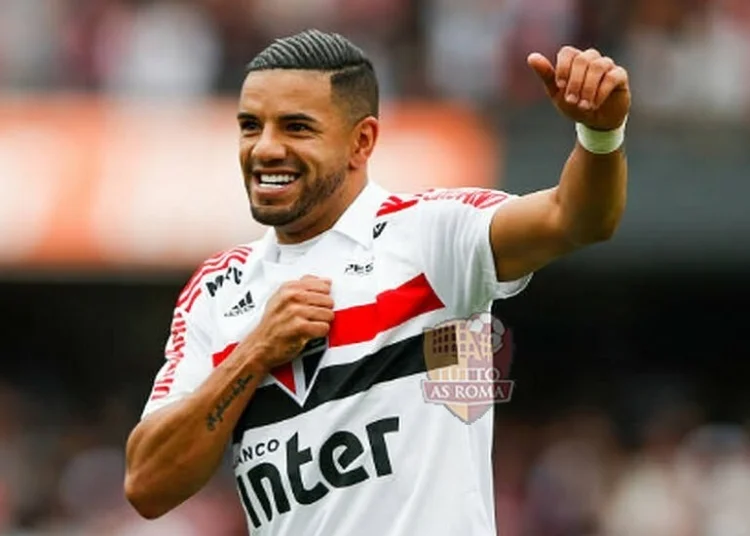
{"x": 478, "y": 198}
{"x": 442, "y": 199}
{"x": 226, "y": 266}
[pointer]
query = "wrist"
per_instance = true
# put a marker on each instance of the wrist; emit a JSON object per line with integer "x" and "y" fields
{"x": 255, "y": 357}
{"x": 601, "y": 141}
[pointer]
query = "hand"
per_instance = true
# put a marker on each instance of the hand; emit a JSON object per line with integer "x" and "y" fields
{"x": 298, "y": 312}
{"x": 586, "y": 87}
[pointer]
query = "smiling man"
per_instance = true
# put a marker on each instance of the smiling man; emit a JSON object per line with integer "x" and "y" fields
{"x": 305, "y": 350}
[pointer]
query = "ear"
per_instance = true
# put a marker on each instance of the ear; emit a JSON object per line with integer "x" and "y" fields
{"x": 364, "y": 137}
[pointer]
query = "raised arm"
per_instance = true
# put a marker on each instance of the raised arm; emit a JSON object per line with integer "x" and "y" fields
{"x": 587, "y": 204}
{"x": 173, "y": 452}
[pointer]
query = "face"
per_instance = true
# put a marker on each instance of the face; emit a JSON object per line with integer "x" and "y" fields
{"x": 297, "y": 147}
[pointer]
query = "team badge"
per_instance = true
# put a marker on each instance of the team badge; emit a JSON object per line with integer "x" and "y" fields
{"x": 468, "y": 361}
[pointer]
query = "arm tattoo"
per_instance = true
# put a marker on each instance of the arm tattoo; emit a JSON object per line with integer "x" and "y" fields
{"x": 217, "y": 415}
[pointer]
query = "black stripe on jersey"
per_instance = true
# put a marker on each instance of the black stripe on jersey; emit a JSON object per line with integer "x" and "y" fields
{"x": 271, "y": 404}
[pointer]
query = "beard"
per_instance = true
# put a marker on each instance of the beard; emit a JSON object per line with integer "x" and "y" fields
{"x": 310, "y": 196}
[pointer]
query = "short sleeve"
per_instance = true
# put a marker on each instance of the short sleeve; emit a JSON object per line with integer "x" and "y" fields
{"x": 454, "y": 234}
{"x": 187, "y": 358}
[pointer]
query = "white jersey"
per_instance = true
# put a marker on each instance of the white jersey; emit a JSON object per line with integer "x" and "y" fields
{"x": 341, "y": 440}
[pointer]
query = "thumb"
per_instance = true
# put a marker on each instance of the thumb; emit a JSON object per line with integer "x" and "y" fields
{"x": 545, "y": 70}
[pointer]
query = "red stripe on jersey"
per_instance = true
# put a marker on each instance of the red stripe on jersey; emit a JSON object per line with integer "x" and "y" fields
{"x": 175, "y": 351}
{"x": 363, "y": 322}
{"x": 219, "y": 357}
{"x": 166, "y": 381}
{"x": 205, "y": 271}
{"x": 215, "y": 260}
{"x": 476, "y": 197}
{"x": 391, "y": 309}
{"x": 158, "y": 393}
{"x": 396, "y": 204}
{"x": 211, "y": 265}
{"x": 192, "y": 299}
{"x": 285, "y": 375}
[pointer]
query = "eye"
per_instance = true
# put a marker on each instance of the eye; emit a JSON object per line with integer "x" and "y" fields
{"x": 249, "y": 125}
{"x": 298, "y": 127}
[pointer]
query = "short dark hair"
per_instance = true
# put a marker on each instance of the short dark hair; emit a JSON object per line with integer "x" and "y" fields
{"x": 353, "y": 78}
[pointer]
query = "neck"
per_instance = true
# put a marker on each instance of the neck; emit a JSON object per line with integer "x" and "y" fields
{"x": 322, "y": 222}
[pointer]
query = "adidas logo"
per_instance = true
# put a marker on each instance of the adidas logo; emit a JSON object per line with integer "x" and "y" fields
{"x": 245, "y": 305}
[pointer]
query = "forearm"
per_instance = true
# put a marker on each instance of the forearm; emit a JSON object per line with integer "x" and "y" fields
{"x": 591, "y": 194}
{"x": 174, "y": 452}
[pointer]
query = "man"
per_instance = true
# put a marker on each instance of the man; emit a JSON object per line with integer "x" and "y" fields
{"x": 305, "y": 348}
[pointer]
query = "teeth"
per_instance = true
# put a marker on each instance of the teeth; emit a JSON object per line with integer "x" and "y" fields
{"x": 277, "y": 179}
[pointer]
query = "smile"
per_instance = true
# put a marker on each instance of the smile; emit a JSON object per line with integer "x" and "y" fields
{"x": 274, "y": 181}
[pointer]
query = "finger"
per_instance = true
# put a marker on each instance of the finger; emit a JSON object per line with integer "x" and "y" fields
{"x": 565, "y": 58}
{"x": 318, "y": 314}
{"x": 594, "y": 75}
{"x": 317, "y": 299}
{"x": 316, "y": 330}
{"x": 316, "y": 284}
{"x": 545, "y": 70}
{"x": 614, "y": 79}
{"x": 298, "y": 292}
{"x": 578, "y": 74}
{"x": 296, "y": 316}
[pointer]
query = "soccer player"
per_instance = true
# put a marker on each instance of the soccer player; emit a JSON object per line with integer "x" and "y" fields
{"x": 304, "y": 350}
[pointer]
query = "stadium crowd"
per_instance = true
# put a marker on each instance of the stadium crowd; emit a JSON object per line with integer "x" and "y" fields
{"x": 573, "y": 475}
{"x": 682, "y": 54}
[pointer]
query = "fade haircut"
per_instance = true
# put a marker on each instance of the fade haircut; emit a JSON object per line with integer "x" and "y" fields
{"x": 353, "y": 79}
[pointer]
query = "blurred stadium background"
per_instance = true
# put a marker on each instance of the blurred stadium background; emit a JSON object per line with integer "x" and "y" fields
{"x": 118, "y": 174}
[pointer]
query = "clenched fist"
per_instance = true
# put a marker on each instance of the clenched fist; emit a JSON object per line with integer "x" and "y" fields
{"x": 298, "y": 312}
{"x": 585, "y": 86}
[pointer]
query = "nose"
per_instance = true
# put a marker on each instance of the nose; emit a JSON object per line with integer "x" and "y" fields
{"x": 268, "y": 146}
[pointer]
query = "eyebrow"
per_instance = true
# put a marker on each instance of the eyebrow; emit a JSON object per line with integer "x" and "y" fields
{"x": 287, "y": 118}
{"x": 298, "y": 117}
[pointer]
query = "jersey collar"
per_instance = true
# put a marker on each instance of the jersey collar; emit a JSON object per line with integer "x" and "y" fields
{"x": 355, "y": 223}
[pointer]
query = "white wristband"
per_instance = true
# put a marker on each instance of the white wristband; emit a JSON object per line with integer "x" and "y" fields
{"x": 601, "y": 141}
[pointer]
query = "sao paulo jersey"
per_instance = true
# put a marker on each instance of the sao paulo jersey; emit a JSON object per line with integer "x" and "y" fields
{"x": 342, "y": 441}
